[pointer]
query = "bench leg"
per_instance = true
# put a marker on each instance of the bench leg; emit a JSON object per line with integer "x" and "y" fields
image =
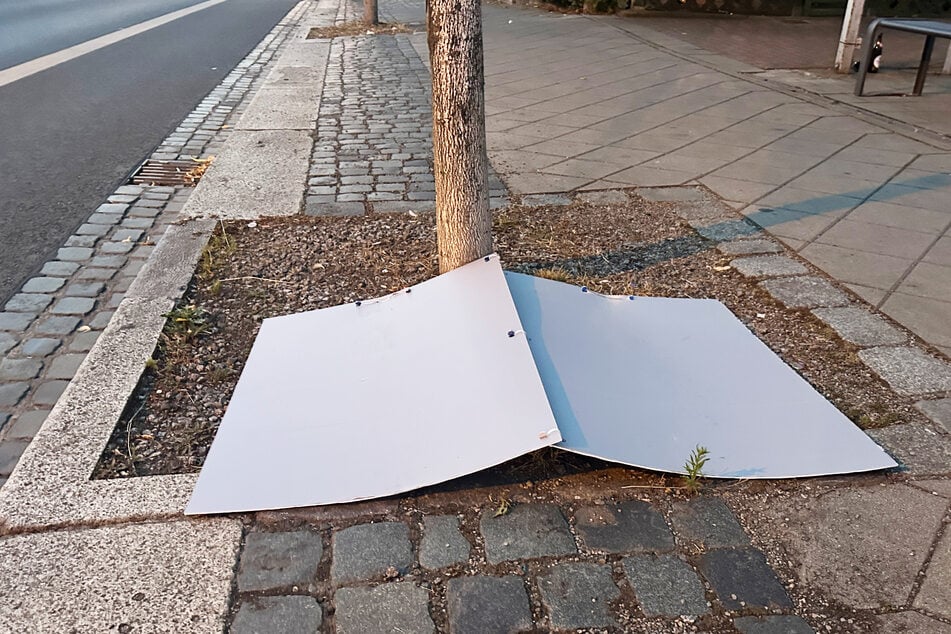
{"x": 866, "y": 59}
{"x": 923, "y": 66}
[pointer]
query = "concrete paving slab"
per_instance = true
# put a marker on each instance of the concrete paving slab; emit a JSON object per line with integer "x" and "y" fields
{"x": 900, "y": 216}
{"x": 791, "y": 224}
{"x": 938, "y": 410}
{"x": 857, "y": 267}
{"x": 935, "y": 593}
{"x": 136, "y": 578}
{"x": 935, "y": 487}
{"x": 303, "y": 53}
{"x": 911, "y": 623}
{"x": 533, "y": 183}
{"x": 291, "y": 107}
{"x": 926, "y": 317}
{"x": 876, "y": 238}
{"x": 843, "y": 542}
{"x": 671, "y": 194}
{"x": 940, "y": 253}
{"x": 259, "y": 173}
{"x": 919, "y": 448}
{"x": 645, "y": 176}
{"x": 928, "y": 280}
{"x": 736, "y": 189}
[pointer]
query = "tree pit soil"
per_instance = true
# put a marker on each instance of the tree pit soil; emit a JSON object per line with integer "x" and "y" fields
{"x": 252, "y": 271}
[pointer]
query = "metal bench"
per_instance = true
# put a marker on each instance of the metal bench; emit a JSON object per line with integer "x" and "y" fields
{"x": 929, "y": 28}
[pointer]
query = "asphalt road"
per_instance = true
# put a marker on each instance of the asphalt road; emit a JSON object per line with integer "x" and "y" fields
{"x": 69, "y": 135}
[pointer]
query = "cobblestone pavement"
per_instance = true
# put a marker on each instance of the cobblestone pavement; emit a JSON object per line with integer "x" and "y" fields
{"x": 373, "y": 148}
{"x": 631, "y": 566}
{"x": 48, "y": 327}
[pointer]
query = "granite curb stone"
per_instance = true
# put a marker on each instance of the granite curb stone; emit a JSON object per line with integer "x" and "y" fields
{"x": 908, "y": 370}
{"x": 859, "y": 326}
{"x": 805, "y": 291}
{"x": 768, "y": 266}
{"x": 749, "y": 247}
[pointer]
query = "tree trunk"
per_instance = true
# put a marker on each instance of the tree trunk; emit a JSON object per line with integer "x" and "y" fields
{"x": 463, "y": 220}
{"x": 371, "y": 14}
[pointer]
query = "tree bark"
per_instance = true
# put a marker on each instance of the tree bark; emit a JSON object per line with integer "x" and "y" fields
{"x": 371, "y": 14}
{"x": 463, "y": 220}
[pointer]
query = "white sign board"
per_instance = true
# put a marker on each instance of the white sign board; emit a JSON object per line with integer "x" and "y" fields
{"x": 370, "y": 400}
{"x": 644, "y": 380}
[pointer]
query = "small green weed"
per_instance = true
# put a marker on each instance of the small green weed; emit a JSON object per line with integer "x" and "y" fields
{"x": 694, "y": 467}
{"x": 185, "y": 323}
{"x": 219, "y": 248}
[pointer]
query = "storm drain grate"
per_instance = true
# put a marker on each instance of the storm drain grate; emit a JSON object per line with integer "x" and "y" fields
{"x": 186, "y": 173}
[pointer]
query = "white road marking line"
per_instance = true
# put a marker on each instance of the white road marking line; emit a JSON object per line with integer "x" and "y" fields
{"x": 14, "y": 73}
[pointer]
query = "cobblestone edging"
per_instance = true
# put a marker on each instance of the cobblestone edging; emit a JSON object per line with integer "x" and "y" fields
{"x": 631, "y": 565}
{"x": 48, "y": 327}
